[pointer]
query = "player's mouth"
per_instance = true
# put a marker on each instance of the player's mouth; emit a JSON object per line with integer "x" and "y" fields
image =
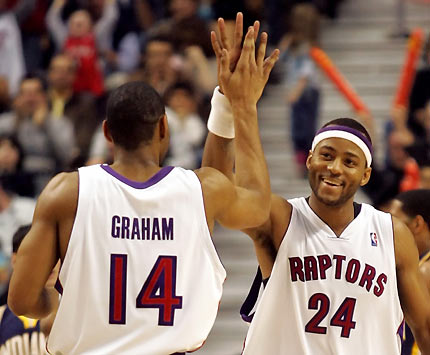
{"x": 332, "y": 182}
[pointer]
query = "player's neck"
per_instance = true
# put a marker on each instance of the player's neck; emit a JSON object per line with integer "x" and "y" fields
{"x": 139, "y": 165}
{"x": 424, "y": 244}
{"x": 336, "y": 217}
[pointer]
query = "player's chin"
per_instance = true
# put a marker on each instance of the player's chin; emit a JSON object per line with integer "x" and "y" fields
{"x": 331, "y": 199}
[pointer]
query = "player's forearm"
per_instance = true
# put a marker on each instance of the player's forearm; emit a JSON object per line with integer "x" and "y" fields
{"x": 251, "y": 168}
{"x": 219, "y": 154}
{"x": 33, "y": 307}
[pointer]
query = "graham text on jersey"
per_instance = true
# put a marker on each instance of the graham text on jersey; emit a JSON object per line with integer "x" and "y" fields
{"x": 143, "y": 228}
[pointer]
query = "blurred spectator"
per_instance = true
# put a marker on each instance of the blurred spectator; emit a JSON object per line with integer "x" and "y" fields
{"x": 85, "y": 42}
{"x": 135, "y": 18}
{"x": 184, "y": 26}
{"x": 47, "y": 143}
{"x": 419, "y": 117}
{"x": 14, "y": 211}
{"x": 160, "y": 66}
{"x": 13, "y": 178}
{"x": 35, "y": 40}
{"x": 4, "y": 95}
{"x": 187, "y": 130}
{"x": 11, "y": 55}
{"x": 79, "y": 43}
{"x": 79, "y": 108}
{"x": 413, "y": 208}
{"x": 104, "y": 13}
{"x": 385, "y": 182}
{"x": 22, "y": 335}
{"x": 189, "y": 34}
{"x": 301, "y": 79}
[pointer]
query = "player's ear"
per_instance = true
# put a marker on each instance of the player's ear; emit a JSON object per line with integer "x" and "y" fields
{"x": 106, "y": 132}
{"x": 308, "y": 159}
{"x": 366, "y": 176}
{"x": 163, "y": 126}
{"x": 419, "y": 223}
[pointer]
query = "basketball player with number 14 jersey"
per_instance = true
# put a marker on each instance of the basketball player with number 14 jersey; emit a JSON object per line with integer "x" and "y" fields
{"x": 139, "y": 272}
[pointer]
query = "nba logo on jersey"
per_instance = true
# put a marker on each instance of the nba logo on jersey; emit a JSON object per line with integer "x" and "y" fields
{"x": 374, "y": 239}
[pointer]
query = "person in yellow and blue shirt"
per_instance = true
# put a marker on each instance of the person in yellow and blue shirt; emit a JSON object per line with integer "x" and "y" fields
{"x": 413, "y": 208}
{"x": 22, "y": 335}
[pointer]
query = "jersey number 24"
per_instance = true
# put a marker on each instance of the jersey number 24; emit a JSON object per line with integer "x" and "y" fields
{"x": 343, "y": 317}
{"x": 158, "y": 291}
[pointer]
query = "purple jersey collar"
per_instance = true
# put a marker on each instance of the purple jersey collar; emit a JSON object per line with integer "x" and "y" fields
{"x": 162, "y": 173}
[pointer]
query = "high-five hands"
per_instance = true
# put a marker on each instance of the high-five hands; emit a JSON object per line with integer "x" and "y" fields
{"x": 252, "y": 70}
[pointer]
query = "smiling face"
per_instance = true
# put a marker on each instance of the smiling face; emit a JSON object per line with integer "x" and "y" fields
{"x": 337, "y": 168}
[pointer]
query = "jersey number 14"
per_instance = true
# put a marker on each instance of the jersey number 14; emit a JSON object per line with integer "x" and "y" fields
{"x": 158, "y": 291}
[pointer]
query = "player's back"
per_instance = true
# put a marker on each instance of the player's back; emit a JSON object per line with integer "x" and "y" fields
{"x": 141, "y": 275}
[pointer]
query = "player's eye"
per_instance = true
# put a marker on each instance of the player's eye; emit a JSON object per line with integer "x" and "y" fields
{"x": 350, "y": 162}
{"x": 326, "y": 155}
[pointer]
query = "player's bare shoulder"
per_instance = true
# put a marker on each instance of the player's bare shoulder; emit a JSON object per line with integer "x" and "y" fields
{"x": 213, "y": 183}
{"x": 280, "y": 216}
{"x": 217, "y": 190}
{"x": 273, "y": 230}
{"x": 60, "y": 196}
{"x": 404, "y": 244}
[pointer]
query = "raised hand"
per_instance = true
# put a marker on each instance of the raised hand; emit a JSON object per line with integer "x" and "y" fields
{"x": 232, "y": 45}
{"x": 246, "y": 83}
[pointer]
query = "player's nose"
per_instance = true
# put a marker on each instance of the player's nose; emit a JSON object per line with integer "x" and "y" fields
{"x": 335, "y": 166}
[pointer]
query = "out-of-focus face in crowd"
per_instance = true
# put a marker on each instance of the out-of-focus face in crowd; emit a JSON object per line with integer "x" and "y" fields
{"x": 80, "y": 23}
{"x": 9, "y": 156}
{"x": 31, "y": 95}
{"x": 158, "y": 55}
{"x": 181, "y": 9}
{"x": 62, "y": 72}
{"x": 182, "y": 102}
{"x": 397, "y": 152}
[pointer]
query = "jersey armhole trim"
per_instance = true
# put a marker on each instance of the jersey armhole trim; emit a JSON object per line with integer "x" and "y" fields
{"x": 288, "y": 225}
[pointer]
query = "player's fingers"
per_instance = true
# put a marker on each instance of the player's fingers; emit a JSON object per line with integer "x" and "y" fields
{"x": 269, "y": 63}
{"x": 262, "y": 49}
{"x": 225, "y": 64}
{"x": 247, "y": 55}
{"x": 251, "y": 40}
{"x": 215, "y": 44}
{"x": 223, "y": 34}
{"x": 238, "y": 31}
{"x": 256, "y": 30}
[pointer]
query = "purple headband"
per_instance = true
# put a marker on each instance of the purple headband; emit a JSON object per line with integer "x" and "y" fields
{"x": 348, "y": 133}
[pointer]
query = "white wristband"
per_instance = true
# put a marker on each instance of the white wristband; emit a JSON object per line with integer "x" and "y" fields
{"x": 221, "y": 121}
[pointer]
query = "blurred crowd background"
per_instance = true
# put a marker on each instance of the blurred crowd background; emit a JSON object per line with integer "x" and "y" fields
{"x": 60, "y": 59}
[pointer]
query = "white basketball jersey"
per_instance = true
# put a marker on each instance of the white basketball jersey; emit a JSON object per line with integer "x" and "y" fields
{"x": 141, "y": 275}
{"x": 330, "y": 295}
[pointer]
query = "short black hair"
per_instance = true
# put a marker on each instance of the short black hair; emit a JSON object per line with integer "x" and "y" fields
{"x": 133, "y": 111}
{"x": 19, "y": 236}
{"x": 351, "y": 123}
{"x": 416, "y": 202}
